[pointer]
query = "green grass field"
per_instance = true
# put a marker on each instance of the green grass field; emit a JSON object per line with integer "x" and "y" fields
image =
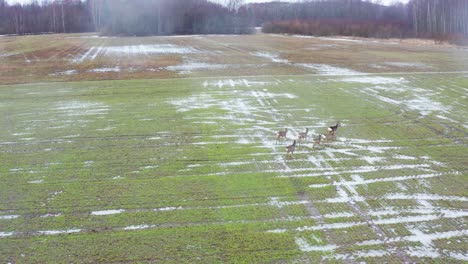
{"x": 181, "y": 165}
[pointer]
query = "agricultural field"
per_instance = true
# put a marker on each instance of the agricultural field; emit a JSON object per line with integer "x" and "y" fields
{"x": 164, "y": 150}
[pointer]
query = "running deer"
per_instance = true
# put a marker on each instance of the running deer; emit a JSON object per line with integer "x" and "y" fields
{"x": 318, "y": 140}
{"x": 332, "y": 129}
{"x": 303, "y": 135}
{"x": 290, "y": 149}
{"x": 281, "y": 135}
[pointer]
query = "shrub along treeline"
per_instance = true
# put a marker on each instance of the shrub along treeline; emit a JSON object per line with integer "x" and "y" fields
{"x": 442, "y": 20}
{"x": 339, "y": 27}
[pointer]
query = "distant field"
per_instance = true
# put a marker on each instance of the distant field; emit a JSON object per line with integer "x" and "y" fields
{"x": 78, "y": 57}
{"x": 176, "y": 160}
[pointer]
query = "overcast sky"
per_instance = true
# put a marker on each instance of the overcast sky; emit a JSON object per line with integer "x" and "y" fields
{"x": 249, "y": 1}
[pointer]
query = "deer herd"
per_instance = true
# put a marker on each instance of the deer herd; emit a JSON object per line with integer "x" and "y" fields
{"x": 303, "y": 137}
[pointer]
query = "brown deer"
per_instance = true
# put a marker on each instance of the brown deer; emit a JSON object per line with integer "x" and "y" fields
{"x": 281, "y": 135}
{"x": 290, "y": 149}
{"x": 303, "y": 135}
{"x": 318, "y": 140}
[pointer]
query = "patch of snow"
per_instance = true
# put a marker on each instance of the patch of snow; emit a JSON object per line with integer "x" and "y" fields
{"x": 342, "y": 39}
{"x": 375, "y": 80}
{"x": 388, "y": 179}
{"x": 80, "y": 108}
{"x": 359, "y": 254}
{"x": 105, "y": 129}
{"x": 280, "y": 204}
{"x": 115, "y": 69}
{"x": 108, "y": 212}
{"x": 170, "y": 208}
{"x": 404, "y": 157}
{"x": 69, "y": 72}
{"x": 51, "y": 215}
{"x": 151, "y": 167}
{"x": 306, "y": 247}
{"x": 188, "y": 67}
{"x": 58, "y": 232}
{"x": 234, "y": 83}
{"x": 408, "y": 65}
{"x": 6, "y": 234}
{"x": 425, "y": 105}
{"x": 424, "y": 196}
{"x": 325, "y": 69}
{"x": 36, "y": 181}
{"x": 138, "y": 227}
{"x": 148, "y": 49}
{"x": 8, "y": 217}
{"x": 271, "y": 56}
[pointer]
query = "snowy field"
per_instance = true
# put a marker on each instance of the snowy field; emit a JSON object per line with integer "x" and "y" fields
{"x": 188, "y": 168}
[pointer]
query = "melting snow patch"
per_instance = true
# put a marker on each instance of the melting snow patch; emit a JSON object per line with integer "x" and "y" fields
{"x": 275, "y": 202}
{"x": 324, "y": 69}
{"x": 171, "y": 208}
{"x": 149, "y": 49}
{"x": 115, "y": 69}
{"x": 424, "y": 196}
{"x": 108, "y": 212}
{"x": 408, "y": 65}
{"x": 138, "y": 227}
{"x": 69, "y": 72}
{"x": 58, "y": 232}
{"x": 243, "y": 141}
{"x": 342, "y": 39}
{"x": 8, "y": 217}
{"x": 6, "y": 234}
{"x": 375, "y": 80}
{"x": 36, "y": 181}
{"x": 79, "y": 108}
{"x": 404, "y": 157}
{"x": 306, "y": 247}
{"x": 270, "y": 56}
{"x": 105, "y": 129}
{"x": 234, "y": 83}
{"x": 51, "y": 215}
{"x": 191, "y": 66}
{"x": 425, "y": 105}
{"x": 151, "y": 167}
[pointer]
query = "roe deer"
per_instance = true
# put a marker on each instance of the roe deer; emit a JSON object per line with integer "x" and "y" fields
{"x": 303, "y": 135}
{"x": 290, "y": 149}
{"x": 332, "y": 129}
{"x": 281, "y": 135}
{"x": 318, "y": 140}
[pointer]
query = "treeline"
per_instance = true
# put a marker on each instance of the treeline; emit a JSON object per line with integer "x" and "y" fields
{"x": 49, "y": 17}
{"x": 339, "y": 27}
{"x": 327, "y": 9}
{"x": 166, "y": 17}
{"x": 443, "y": 20}
{"x": 123, "y": 17}
{"x": 439, "y": 19}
